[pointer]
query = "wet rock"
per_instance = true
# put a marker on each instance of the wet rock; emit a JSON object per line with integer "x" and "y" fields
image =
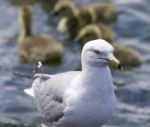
{"x": 9, "y": 122}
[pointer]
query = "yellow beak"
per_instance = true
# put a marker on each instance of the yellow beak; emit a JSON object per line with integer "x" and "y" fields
{"x": 115, "y": 63}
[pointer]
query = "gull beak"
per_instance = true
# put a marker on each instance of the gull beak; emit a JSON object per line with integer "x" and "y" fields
{"x": 115, "y": 62}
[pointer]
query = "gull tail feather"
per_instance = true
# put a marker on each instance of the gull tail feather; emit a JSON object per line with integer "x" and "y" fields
{"x": 29, "y": 91}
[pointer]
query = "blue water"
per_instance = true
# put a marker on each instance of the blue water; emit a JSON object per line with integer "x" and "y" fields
{"x": 132, "y": 28}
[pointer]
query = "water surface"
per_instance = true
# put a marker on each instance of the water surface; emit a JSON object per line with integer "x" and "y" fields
{"x": 132, "y": 28}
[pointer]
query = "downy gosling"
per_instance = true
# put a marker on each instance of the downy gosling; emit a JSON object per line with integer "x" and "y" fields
{"x": 128, "y": 57}
{"x": 104, "y": 12}
{"x": 36, "y": 47}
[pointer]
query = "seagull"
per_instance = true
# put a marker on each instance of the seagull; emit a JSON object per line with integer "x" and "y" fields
{"x": 83, "y": 98}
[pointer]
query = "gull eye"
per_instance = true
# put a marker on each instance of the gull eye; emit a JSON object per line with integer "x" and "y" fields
{"x": 97, "y": 52}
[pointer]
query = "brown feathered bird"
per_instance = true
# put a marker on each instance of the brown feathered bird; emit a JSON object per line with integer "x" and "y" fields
{"x": 36, "y": 47}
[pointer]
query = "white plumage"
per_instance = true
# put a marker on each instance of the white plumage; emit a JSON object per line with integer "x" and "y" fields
{"x": 79, "y": 99}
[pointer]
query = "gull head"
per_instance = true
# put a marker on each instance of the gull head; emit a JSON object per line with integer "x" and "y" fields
{"x": 99, "y": 53}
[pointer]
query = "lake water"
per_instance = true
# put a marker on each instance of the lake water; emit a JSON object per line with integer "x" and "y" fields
{"x": 132, "y": 28}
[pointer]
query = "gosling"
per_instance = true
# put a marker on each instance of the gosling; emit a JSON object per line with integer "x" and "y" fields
{"x": 96, "y": 31}
{"x": 126, "y": 55}
{"x": 84, "y": 16}
{"x": 73, "y": 24}
{"x": 104, "y": 12}
{"x": 64, "y": 8}
{"x": 36, "y": 47}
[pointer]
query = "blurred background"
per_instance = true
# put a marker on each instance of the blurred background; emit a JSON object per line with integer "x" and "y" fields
{"x": 132, "y": 28}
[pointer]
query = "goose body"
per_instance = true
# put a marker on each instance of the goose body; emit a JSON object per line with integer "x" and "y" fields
{"x": 96, "y": 31}
{"x": 104, "y": 12}
{"x": 128, "y": 57}
{"x": 36, "y": 47}
{"x": 88, "y": 14}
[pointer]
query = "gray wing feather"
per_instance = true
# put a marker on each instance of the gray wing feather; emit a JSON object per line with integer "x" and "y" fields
{"x": 49, "y": 92}
{"x": 42, "y": 76}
